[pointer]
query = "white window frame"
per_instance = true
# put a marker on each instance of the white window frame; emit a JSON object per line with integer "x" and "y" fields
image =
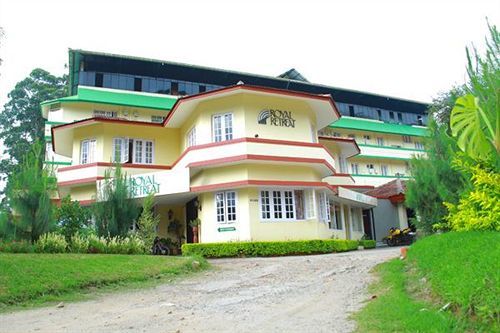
{"x": 143, "y": 142}
{"x": 91, "y": 151}
{"x": 335, "y": 216}
{"x": 384, "y": 170}
{"x": 225, "y": 207}
{"x": 282, "y": 204}
{"x": 366, "y": 139}
{"x": 157, "y": 119}
{"x": 380, "y": 141}
{"x": 407, "y": 139}
{"x": 419, "y": 145}
{"x": 309, "y": 204}
{"x": 226, "y": 132}
{"x": 191, "y": 137}
{"x": 323, "y": 207}
{"x": 355, "y": 168}
{"x": 105, "y": 114}
{"x": 371, "y": 170}
{"x": 123, "y": 143}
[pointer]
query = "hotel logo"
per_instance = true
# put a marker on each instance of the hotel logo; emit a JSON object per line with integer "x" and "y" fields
{"x": 276, "y": 118}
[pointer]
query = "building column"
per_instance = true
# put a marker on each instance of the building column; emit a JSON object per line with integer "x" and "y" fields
{"x": 350, "y": 221}
{"x": 342, "y": 219}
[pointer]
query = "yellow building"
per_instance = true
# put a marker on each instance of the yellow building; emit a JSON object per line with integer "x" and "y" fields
{"x": 246, "y": 160}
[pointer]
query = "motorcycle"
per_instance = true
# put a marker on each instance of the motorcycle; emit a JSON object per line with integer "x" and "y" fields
{"x": 159, "y": 248}
{"x": 399, "y": 237}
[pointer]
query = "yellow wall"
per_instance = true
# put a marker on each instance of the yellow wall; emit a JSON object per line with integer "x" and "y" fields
{"x": 86, "y": 192}
{"x": 179, "y": 214}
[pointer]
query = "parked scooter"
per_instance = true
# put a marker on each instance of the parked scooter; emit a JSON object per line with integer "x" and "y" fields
{"x": 399, "y": 237}
{"x": 159, "y": 248}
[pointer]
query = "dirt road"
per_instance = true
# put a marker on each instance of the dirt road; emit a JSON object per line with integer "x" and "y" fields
{"x": 286, "y": 294}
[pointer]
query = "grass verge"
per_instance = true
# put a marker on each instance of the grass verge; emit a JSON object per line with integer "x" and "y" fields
{"x": 456, "y": 268}
{"x": 35, "y": 279}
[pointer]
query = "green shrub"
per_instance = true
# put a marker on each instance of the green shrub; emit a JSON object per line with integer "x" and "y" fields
{"x": 96, "y": 244}
{"x": 51, "y": 243}
{"x": 265, "y": 249}
{"x": 71, "y": 217}
{"x": 367, "y": 243}
{"x": 16, "y": 246}
{"x": 79, "y": 244}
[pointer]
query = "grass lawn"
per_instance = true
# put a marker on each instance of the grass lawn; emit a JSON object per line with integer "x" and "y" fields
{"x": 462, "y": 269}
{"x": 32, "y": 279}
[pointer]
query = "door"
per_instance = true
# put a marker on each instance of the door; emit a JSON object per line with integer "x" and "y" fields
{"x": 191, "y": 214}
{"x": 367, "y": 223}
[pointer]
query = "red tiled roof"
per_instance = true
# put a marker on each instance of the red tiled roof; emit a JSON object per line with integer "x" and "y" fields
{"x": 388, "y": 190}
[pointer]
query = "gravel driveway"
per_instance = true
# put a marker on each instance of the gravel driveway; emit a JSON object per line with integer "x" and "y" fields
{"x": 285, "y": 294}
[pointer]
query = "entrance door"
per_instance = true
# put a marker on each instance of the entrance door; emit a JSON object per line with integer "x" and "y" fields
{"x": 367, "y": 223}
{"x": 191, "y": 214}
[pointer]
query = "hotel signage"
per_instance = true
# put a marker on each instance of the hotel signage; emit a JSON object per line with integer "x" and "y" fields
{"x": 276, "y": 117}
{"x": 143, "y": 185}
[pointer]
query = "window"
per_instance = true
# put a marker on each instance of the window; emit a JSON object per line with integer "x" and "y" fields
{"x": 366, "y": 138}
{"x": 286, "y": 204}
{"x": 337, "y": 217}
{"x": 143, "y": 151}
{"x": 419, "y": 145}
{"x": 336, "y": 135}
{"x": 120, "y": 150}
{"x": 355, "y": 168}
{"x": 310, "y": 211}
{"x": 352, "y": 136}
{"x": 99, "y": 79}
{"x": 202, "y": 88}
{"x": 420, "y": 120}
{"x": 343, "y": 164}
{"x": 380, "y": 141}
{"x": 384, "y": 170}
{"x": 225, "y": 203}
{"x": 175, "y": 88}
{"x": 379, "y": 114}
{"x": 406, "y": 138}
{"x": 323, "y": 207}
{"x": 400, "y": 117}
{"x": 87, "y": 151}
{"x": 391, "y": 115}
{"x": 105, "y": 114}
{"x": 222, "y": 127}
{"x": 351, "y": 110}
{"x": 137, "y": 84}
{"x": 191, "y": 137}
{"x": 157, "y": 119}
{"x": 371, "y": 169}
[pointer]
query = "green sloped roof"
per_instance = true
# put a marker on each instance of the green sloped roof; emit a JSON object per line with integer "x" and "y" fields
{"x": 376, "y": 126}
{"x": 114, "y": 97}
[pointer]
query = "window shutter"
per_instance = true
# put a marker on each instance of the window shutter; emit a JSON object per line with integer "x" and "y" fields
{"x": 124, "y": 150}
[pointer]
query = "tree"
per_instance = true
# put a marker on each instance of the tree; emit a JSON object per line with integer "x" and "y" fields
{"x": 435, "y": 180}
{"x": 21, "y": 122}
{"x": 115, "y": 210}
{"x": 475, "y": 119}
{"x": 29, "y": 190}
{"x": 71, "y": 217}
{"x": 148, "y": 222}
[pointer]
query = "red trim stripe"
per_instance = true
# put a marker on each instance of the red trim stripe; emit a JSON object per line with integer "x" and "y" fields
{"x": 109, "y": 164}
{"x": 230, "y": 159}
{"x": 348, "y": 140}
{"x": 327, "y": 98}
{"x": 239, "y": 183}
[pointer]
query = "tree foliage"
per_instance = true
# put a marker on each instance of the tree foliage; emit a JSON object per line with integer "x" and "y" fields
{"x": 21, "y": 121}
{"x": 435, "y": 180}
{"x": 71, "y": 218}
{"x": 475, "y": 119}
{"x": 480, "y": 208}
{"x": 148, "y": 222}
{"x": 115, "y": 210}
{"x": 29, "y": 189}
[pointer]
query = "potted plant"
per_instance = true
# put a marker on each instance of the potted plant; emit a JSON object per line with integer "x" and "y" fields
{"x": 195, "y": 224}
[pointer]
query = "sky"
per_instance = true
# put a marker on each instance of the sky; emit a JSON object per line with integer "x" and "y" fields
{"x": 403, "y": 48}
